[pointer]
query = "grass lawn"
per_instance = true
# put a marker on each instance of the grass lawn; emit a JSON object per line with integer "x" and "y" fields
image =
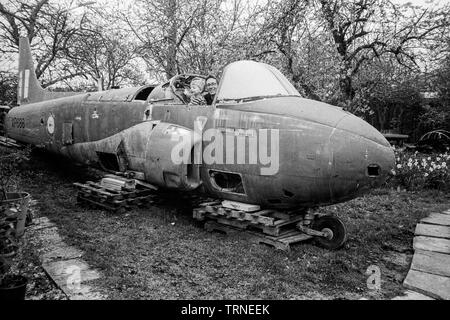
{"x": 162, "y": 253}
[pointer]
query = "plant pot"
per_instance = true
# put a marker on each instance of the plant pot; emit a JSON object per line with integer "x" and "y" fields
{"x": 20, "y": 200}
{"x": 13, "y": 287}
{"x": 8, "y": 248}
{"x": 9, "y": 252}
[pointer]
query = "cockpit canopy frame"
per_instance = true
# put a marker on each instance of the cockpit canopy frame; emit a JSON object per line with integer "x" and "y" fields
{"x": 241, "y": 81}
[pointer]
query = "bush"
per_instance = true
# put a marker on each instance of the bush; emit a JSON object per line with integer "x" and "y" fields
{"x": 416, "y": 171}
{"x": 10, "y": 167}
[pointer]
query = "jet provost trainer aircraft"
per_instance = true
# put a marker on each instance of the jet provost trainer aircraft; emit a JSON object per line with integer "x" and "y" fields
{"x": 259, "y": 142}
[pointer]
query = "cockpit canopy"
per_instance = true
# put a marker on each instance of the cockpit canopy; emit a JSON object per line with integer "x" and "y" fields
{"x": 241, "y": 81}
{"x": 246, "y": 79}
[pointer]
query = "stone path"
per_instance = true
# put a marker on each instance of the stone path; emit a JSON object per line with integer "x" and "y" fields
{"x": 429, "y": 274}
{"x": 64, "y": 263}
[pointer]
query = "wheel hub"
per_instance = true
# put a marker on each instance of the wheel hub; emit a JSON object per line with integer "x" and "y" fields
{"x": 328, "y": 233}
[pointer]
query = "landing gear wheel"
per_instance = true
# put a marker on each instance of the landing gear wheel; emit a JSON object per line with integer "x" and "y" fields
{"x": 335, "y": 230}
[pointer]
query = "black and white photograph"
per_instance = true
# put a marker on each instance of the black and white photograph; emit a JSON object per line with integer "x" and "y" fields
{"x": 229, "y": 157}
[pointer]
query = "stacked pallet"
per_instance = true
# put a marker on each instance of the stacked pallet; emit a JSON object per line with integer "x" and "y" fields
{"x": 118, "y": 184}
{"x": 114, "y": 194}
{"x": 271, "y": 222}
{"x": 272, "y": 227}
{"x": 8, "y": 142}
{"x": 281, "y": 242}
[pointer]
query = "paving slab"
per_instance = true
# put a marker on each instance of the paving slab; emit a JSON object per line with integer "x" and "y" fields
{"x": 431, "y": 244}
{"x": 412, "y": 295}
{"x": 431, "y": 230}
{"x": 86, "y": 293}
{"x": 437, "y": 218}
{"x": 63, "y": 263}
{"x": 429, "y": 284}
{"x": 62, "y": 252}
{"x": 65, "y": 269}
{"x": 71, "y": 277}
{"x": 431, "y": 262}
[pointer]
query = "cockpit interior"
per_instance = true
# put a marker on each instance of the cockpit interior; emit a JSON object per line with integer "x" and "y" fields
{"x": 174, "y": 89}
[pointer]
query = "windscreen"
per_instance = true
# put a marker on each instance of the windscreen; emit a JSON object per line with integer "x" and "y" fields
{"x": 250, "y": 79}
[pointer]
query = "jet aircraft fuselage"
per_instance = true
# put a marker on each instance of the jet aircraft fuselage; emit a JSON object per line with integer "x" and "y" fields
{"x": 260, "y": 142}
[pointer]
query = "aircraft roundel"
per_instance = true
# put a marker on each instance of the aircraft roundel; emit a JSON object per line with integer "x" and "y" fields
{"x": 51, "y": 124}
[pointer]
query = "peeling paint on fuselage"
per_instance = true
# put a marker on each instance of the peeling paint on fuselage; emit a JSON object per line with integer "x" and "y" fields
{"x": 323, "y": 151}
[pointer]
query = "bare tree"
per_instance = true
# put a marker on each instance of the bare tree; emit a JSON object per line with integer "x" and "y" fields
{"x": 48, "y": 29}
{"x": 103, "y": 57}
{"x": 365, "y": 30}
{"x": 189, "y": 36}
{"x": 324, "y": 44}
{"x": 288, "y": 30}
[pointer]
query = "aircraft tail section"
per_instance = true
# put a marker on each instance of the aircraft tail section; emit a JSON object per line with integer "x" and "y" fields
{"x": 29, "y": 89}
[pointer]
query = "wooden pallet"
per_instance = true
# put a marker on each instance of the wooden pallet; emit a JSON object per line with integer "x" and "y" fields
{"x": 281, "y": 242}
{"x": 112, "y": 199}
{"x": 270, "y": 222}
{"x": 8, "y": 142}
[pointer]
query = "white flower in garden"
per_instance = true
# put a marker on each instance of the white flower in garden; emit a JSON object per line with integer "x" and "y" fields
{"x": 438, "y": 167}
{"x": 393, "y": 172}
{"x": 399, "y": 166}
{"x": 429, "y": 158}
{"x": 431, "y": 169}
{"x": 426, "y": 174}
{"x": 444, "y": 165}
{"x": 438, "y": 159}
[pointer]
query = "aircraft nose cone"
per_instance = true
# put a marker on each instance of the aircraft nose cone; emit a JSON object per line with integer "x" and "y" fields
{"x": 361, "y": 158}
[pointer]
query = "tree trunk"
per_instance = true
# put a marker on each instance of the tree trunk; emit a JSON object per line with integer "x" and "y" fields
{"x": 171, "y": 65}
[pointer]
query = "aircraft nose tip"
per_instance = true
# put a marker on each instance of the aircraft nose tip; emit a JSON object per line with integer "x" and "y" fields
{"x": 362, "y": 157}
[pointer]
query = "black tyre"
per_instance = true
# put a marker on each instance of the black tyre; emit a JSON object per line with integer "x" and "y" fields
{"x": 335, "y": 228}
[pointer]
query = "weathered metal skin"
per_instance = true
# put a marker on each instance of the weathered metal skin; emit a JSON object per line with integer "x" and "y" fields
{"x": 326, "y": 155}
{"x": 321, "y": 162}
